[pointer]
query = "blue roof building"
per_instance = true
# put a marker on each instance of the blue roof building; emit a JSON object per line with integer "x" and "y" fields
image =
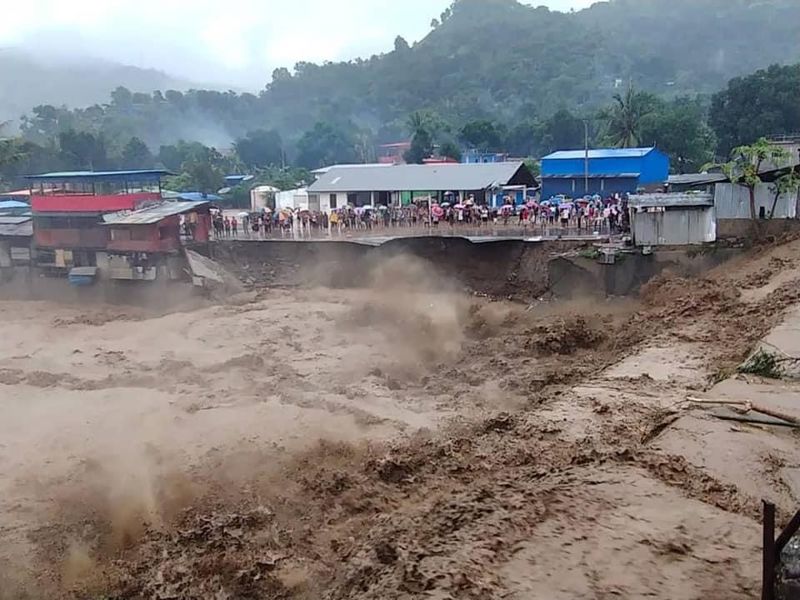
{"x": 471, "y": 157}
{"x": 612, "y": 170}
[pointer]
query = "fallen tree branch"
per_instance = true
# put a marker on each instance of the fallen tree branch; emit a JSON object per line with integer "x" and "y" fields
{"x": 754, "y": 407}
{"x": 757, "y": 421}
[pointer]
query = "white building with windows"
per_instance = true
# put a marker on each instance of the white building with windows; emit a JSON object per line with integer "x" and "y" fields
{"x": 397, "y": 185}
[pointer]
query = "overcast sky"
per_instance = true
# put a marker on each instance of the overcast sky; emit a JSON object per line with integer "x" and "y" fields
{"x": 236, "y": 42}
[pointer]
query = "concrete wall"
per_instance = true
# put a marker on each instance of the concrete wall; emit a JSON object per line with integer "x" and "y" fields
{"x": 576, "y": 276}
{"x": 674, "y": 227}
{"x": 325, "y": 201}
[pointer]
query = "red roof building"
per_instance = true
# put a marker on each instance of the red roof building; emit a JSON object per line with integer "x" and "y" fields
{"x": 68, "y": 209}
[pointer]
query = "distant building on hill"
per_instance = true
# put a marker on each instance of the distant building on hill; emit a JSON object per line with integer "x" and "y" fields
{"x": 477, "y": 157}
{"x": 393, "y": 154}
{"x": 610, "y": 171}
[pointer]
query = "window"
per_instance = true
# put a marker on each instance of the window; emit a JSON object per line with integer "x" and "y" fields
{"x": 89, "y": 222}
{"x": 140, "y": 234}
{"x": 333, "y": 199}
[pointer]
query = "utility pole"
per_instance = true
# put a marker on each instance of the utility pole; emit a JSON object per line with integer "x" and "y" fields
{"x": 586, "y": 157}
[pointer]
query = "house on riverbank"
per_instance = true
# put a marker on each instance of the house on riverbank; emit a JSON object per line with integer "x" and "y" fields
{"x": 400, "y": 184}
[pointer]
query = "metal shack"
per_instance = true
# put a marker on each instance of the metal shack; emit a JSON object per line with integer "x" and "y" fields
{"x": 672, "y": 219}
{"x": 16, "y": 236}
{"x": 145, "y": 244}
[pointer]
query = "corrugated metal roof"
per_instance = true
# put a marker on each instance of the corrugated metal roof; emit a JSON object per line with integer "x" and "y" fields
{"x": 13, "y": 205}
{"x": 15, "y": 195}
{"x": 675, "y": 200}
{"x": 24, "y": 229}
{"x": 422, "y": 178}
{"x": 14, "y": 219}
{"x": 139, "y": 175}
{"x": 323, "y": 170}
{"x": 190, "y": 196}
{"x": 599, "y": 153}
{"x": 154, "y": 214}
{"x": 594, "y": 176}
{"x": 696, "y": 178}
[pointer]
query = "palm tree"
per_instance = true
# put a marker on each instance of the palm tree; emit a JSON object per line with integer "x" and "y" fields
{"x": 417, "y": 123}
{"x": 624, "y": 117}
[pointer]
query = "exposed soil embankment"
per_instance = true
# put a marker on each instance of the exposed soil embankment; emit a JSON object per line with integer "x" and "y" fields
{"x": 505, "y": 268}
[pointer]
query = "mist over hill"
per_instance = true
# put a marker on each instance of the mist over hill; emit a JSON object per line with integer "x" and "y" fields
{"x": 32, "y": 79}
{"x": 483, "y": 59}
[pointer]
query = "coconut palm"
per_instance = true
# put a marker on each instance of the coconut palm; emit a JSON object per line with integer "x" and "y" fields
{"x": 624, "y": 117}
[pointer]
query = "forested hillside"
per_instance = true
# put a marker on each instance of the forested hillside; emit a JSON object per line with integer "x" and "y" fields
{"x": 494, "y": 75}
{"x": 484, "y": 59}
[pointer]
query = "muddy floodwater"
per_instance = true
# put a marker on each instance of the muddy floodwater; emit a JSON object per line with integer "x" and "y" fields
{"x": 402, "y": 439}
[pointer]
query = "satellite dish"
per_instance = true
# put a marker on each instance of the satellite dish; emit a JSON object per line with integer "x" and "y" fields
{"x": 225, "y": 190}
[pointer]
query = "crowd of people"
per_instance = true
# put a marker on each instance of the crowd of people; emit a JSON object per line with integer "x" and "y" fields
{"x": 591, "y": 214}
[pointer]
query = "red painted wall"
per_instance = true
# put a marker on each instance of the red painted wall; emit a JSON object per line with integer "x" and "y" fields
{"x": 148, "y": 237}
{"x": 89, "y": 203}
{"x": 71, "y": 238}
{"x": 202, "y": 231}
{"x": 144, "y": 246}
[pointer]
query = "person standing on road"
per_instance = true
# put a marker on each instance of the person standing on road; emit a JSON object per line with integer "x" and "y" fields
{"x": 234, "y": 226}
{"x": 564, "y": 217}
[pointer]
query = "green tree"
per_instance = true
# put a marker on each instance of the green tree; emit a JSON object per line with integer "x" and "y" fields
{"x": 452, "y": 73}
{"x": 679, "y": 129}
{"x": 260, "y": 148}
{"x": 534, "y": 165}
{"x": 524, "y": 139}
{"x": 401, "y": 45}
{"x": 136, "y": 155}
{"x": 483, "y": 135}
{"x": 11, "y": 148}
{"x": 12, "y": 153}
{"x": 624, "y": 118}
{"x": 174, "y": 156}
{"x": 206, "y": 171}
{"x": 450, "y": 149}
{"x": 326, "y": 144}
{"x": 421, "y": 147}
{"x": 122, "y": 97}
{"x": 760, "y": 104}
{"x": 425, "y": 127}
{"x": 182, "y": 182}
{"x": 562, "y": 131}
{"x": 744, "y": 169}
{"x": 788, "y": 183}
{"x": 82, "y": 150}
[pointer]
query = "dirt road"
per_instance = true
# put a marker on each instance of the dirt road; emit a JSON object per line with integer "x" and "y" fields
{"x": 400, "y": 441}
